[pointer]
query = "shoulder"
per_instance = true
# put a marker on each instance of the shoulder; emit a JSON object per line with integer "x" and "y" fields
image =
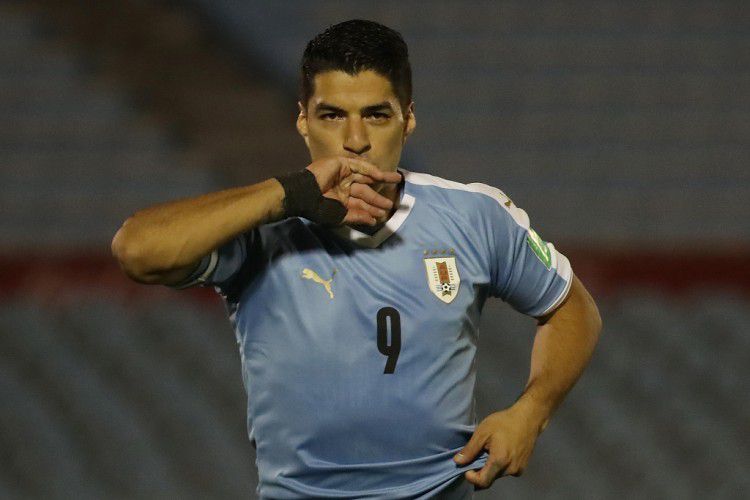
{"x": 482, "y": 199}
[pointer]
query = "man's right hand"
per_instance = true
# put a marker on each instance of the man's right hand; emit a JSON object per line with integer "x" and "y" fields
{"x": 348, "y": 180}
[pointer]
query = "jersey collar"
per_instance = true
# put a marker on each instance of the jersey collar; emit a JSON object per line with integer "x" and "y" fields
{"x": 405, "y": 204}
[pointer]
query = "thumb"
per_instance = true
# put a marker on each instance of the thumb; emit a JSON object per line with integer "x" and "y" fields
{"x": 470, "y": 451}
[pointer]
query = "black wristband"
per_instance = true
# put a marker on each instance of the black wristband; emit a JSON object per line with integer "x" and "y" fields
{"x": 302, "y": 193}
{"x": 303, "y": 198}
{"x": 330, "y": 212}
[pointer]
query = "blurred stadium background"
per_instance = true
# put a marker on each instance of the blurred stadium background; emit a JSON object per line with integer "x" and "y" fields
{"x": 621, "y": 126}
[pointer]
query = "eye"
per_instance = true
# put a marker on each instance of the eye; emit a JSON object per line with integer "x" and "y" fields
{"x": 380, "y": 116}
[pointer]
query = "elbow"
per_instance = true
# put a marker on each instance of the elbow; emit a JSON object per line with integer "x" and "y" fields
{"x": 128, "y": 250}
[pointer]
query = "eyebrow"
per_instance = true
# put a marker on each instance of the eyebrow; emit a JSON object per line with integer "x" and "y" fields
{"x": 381, "y": 106}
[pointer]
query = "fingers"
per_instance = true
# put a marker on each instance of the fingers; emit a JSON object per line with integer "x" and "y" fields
{"x": 357, "y": 204}
{"x": 335, "y": 170}
{"x": 352, "y": 188}
{"x": 495, "y": 466}
{"x": 361, "y": 178}
{"x": 359, "y": 217}
{"x": 360, "y": 212}
{"x": 484, "y": 477}
{"x": 360, "y": 166}
{"x": 468, "y": 454}
{"x": 369, "y": 195}
{"x": 477, "y": 443}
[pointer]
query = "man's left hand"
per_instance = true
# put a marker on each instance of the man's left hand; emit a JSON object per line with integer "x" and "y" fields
{"x": 509, "y": 437}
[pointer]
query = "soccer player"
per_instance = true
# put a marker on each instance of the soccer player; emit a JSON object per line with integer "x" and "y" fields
{"x": 355, "y": 289}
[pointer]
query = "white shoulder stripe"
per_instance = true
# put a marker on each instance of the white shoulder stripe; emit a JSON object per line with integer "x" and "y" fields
{"x": 519, "y": 215}
{"x": 560, "y": 263}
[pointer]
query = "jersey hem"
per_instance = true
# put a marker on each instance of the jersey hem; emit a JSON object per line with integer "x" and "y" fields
{"x": 406, "y": 491}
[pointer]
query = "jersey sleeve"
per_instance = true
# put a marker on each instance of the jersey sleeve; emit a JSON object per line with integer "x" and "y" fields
{"x": 223, "y": 267}
{"x": 525, "y": 271}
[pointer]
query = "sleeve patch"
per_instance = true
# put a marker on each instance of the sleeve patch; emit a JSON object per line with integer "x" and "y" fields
{"x": 540, "y": 248}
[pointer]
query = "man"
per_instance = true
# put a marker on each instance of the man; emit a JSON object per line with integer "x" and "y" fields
{"x": 355, "y": 289}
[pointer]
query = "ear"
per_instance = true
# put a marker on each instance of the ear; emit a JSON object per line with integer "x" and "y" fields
{"x": 410, "y": 121}
{"x": 302, "y": 123}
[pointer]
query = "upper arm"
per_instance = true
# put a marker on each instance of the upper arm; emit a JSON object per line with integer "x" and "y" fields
{"x": 528, "y": 273}
{"x": 578, "y": 306}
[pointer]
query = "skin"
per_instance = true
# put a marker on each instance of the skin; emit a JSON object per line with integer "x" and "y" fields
{"x": 564, "y": 338}
{"x": 355, "y": 153}
{"x": 164, "y": 243}
{"x": 339, "y": 119}
{"x": 563, "y": 345}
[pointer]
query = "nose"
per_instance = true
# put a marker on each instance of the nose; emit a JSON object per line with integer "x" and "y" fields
{"x": 356, "y": 140}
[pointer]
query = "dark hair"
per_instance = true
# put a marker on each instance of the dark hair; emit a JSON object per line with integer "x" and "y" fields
{"x": 354, "y": 46}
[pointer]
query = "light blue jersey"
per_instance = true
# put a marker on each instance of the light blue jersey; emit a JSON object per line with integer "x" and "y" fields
{"x": 358, "y": 351}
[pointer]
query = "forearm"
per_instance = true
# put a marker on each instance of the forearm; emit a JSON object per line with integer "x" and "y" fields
{"x": 562, "y": 348}
{"x": 173, "y": 235}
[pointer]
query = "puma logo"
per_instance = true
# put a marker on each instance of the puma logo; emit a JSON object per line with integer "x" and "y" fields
{"x": 312, "y": 275}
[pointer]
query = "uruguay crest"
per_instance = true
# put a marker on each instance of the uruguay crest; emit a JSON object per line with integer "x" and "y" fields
{"x": 442, "y": 274}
